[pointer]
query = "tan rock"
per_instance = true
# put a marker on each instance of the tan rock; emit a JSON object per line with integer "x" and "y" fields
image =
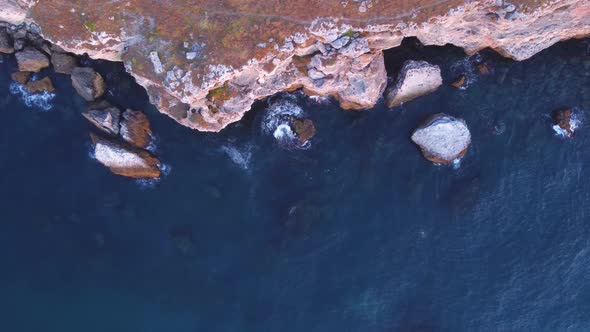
{"x": 135, "y": 128}
{"x": 30, "y": 59}
{"x": 88, "y": 83}
{"x": 415, "y": 79}
{"x": 63, "y": 63}
{"x": 41, "y": 85}
{"x": 21, "y": 77}
{"x": 125, "y": 160}
{"x": 106, "y": 119}
{"x": 442, "y": 138}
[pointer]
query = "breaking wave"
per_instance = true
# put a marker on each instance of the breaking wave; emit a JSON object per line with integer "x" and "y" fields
{"x": 277, "y": 122}
{"x": 240, "y": 157}
{"x": 42, "y": 101}
{"x": 575, "y": 123}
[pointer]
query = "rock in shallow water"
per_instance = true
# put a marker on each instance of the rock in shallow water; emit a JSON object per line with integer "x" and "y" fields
{"x": 63, "y": 63}
{"x": 416, "y": 78}
{"x": 106, "y": 119}
{"x": 21, "y": 77}
{"x": 135, "y": 128}
{"x": 442, "y": 138}
{"x": 6, "y": 45}
{"x": 563, "y": 122}
{"x": 125, "y": 160}
{"x": 30, "y": 59}
{"x": 88, "y": 83}
{"x": 41, "y": 85}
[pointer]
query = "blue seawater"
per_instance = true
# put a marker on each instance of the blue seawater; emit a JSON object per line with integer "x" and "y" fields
{"x": 357, "y": 232}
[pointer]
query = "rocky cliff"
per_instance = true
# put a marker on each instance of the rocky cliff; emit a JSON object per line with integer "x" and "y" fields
{"x": 205, "y": 62}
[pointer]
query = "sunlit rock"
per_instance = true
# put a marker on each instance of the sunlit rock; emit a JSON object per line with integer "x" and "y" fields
{"x": 135, "y": 128}
{"x": 30, "y": 59}
{"x": 415, "y": 79}
{"x": 442, "y": 138}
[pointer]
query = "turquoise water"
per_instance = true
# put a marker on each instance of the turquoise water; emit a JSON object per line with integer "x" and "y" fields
{"x": 356, "y": 233}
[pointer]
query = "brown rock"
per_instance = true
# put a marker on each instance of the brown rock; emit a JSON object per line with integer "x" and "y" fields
{"x": 562, "y": 119}
{"x": 6, "y": 45}
{"x": 41, "y": 85}
{"x": 30, "y": 59}
{"x": 88, "y": 83}
{"x": 459, "y": 82}
{"x": 135, "y": 128}
{"x": 304, "y": 129}
{"x": 106, "y": 119}
{"x": 63, "y": 63}
{"x": 125, "y": 160}
{"x": 483, "y": 69}
{"x": 21, "y": 77}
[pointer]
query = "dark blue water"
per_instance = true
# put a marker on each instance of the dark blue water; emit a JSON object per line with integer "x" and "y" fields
{"x": 357, "y": 233}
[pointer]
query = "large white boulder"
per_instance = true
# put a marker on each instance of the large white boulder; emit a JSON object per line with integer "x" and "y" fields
{"x": 442, "y": 138}
{"x": 416, "y": 78}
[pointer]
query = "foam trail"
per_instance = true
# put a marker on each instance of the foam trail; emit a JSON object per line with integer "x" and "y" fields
{"x": 240, "y": 158}
{"x": 40, "y": 101}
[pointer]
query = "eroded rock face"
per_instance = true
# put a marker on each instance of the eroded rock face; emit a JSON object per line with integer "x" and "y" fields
{"x": 442, "y": 138}
{"x": 135, "y": 128}
{"x": 416, "y": 79}
{"x": 30, "y": 59}
{"x": 124, "y": 159}
{"x": 88, "y": 83}
{"x": 182, "y": 66}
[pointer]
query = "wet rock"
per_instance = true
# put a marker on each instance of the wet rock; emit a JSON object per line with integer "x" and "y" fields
{"x": 41, "y": 85}
{"x": 125, "y": 160}
{"x": 21, "y": 77}
{"x": 6, "y": 45}
{"x": 63, "y": 63}
{"x": 19, "y": 44}
{"x": 106, "y": 119}
{"x": 30, "y": 59}
{"x": 563, "y": 123}
{"x": 459, "y": 82}
{"x": 88, "y": 83}
{"x": 483, "y": 69}
{"x": 135, "y": 128}
{"x": 416, "y": 78}
{"x": 442, "y": 138}
{"x": 304, "y": 129}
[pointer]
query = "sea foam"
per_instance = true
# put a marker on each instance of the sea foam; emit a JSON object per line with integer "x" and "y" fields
{"x": 42, "y": 101}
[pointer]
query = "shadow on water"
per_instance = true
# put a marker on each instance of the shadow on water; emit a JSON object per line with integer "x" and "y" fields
{"x": 356, "y": 233}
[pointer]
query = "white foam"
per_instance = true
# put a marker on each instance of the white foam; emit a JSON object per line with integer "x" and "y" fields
{"x": 575, "y": 123}
{"x": 277, "y": 114}
{"x": 40, "y": 101}
{"x": 283, "y": 132}
{"x": 238, "y": 157}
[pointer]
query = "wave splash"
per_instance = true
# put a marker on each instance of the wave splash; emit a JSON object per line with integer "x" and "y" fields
{"x": 278, "y": 122}
{"x": 42, "y": 101}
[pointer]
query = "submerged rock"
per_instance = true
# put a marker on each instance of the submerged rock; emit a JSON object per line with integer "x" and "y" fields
{"x": 106, "y": 119}
{"x": 442, "y": 138}
{"x": 6, "y": 45}
{"x": 88, "y": 83}
{"x": 21, "y": 77}
{"x": 63, "y": 63}
{"x": 125, "y": 160}
{"x": 41, "y": 85}
{"x": 416, "y": 78}
{"x": 459, "y": 82}
{"x": 563, "y": 122}
{"x": 30, "y": 59}
{"x": 135, "y": 128}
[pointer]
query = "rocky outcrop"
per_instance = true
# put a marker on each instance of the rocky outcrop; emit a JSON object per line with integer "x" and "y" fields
{"x": 6, "y": 45}
{"x": 125, "y": 160}
{"x": 88, "y": 83}
{"x": 416, "y": 78}
{"x": 40, "y": 85}
{"x": 63, "y": 63}
{"x": 564, "y": 124}
{"x": 205, "y": 62}
{"x": 442, "y": 138}
{"x": 30, "y": 59}
{"x": 21, "y": 77}
{"x": 135, "y": 128}
{"x": 304, "y": 129}
{"x": 105, "y": 119}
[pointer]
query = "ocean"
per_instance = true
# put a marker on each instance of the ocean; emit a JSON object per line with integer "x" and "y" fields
{"x": 354, "y": 232}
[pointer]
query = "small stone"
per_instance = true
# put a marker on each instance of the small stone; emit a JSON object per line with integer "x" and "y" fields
{"x": 459, "y": 82}
{"x": 315, "y": 74}
{"x": 416, "y": 78}
{"x": 563, "y": 119}
{"x": 106, "y": 119}
{"x": 30, "y": 59}
{"x": 135, "y": 128}
{"x": 304, "y": 129}
{"x": 63, "y": 63}
{"x": 19, "y": 44}
{"x": 6, "y": 45}
{"x": 41, "y": 85}
{"x": 442, "y": 138}
{"x": 125, "y": 160}
{"x": 493, "y": 16}
{"x": 191, "y": 55}
{"x": 483, "y": 69}
{"x": 21, "y": 77}
{"x": 88, "y": 83}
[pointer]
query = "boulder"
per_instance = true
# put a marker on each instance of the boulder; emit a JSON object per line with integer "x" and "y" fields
{"x": 442, "y": 138}
{"x": 21, "y": 77}
{"x": 459, "y": 82}
{"x": 125, "y": 160}
{"x": 135, "y": 128}
{"x": 41, "y": 85}
{"x": 304, "y": 129}
{"x": 88, "y": 83}
{"x": 106, "y": 119}
{"x": 416, "y": 78}
{"x": 63, "y": 63}
{"x": 6, "y": 45}
{"x": 483, "y": 69}
{"x": 562, "y": 120}
{"x": 30, "y": 59}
